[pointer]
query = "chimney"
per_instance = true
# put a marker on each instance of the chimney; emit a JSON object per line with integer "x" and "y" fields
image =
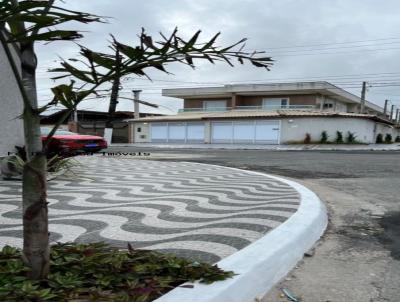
{"x": 136, "y": 98}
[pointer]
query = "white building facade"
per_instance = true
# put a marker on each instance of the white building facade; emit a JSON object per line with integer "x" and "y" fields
{"x": 11, "y": 125}
{"x": 265, "y": 114}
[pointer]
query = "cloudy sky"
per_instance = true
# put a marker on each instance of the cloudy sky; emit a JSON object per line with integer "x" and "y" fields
{"x": 341, "y": 41}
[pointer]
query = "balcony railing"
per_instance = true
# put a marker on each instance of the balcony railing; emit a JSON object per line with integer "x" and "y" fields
{"x": 263, "y": 108}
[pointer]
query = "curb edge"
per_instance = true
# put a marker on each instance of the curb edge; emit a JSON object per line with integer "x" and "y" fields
{"x": 266, "y": 261}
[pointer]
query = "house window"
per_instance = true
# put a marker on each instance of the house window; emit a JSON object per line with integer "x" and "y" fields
{"x": 328, "y": 105}
{"x": 275, "y": 103}
{"x": 214, "y": 105}
{"x": 139, "y": 129}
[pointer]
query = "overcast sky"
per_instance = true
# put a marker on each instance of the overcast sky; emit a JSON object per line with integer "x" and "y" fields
{"x": 342, "y": 41}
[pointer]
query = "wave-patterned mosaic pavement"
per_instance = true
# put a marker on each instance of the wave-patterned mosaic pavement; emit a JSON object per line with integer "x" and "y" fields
{"x": 194, "y": 210}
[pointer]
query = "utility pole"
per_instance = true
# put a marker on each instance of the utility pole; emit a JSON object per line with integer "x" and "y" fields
{"x": 136, "y": 99}
{"x": 391, "y": 112}
{"x": 73, "y": 122}
{"x": 385, "y": 108}
{"x": 363, "y": 92}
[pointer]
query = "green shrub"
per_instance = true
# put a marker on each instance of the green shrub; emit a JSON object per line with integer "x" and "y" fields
{"x": 397, "y": 139}
{"x": 388, "y": 138}
{"x": 339, "y": 137}
{"x": 324, "y": 137}
{"x": 307, "y": 139}
{"x": 379, "y": 138}
{"x": 99, "y": 272}
{"x": 55, "y": 164}
{"x": 351, "y": 137}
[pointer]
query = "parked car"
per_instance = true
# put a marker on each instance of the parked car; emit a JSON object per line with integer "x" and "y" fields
{"x": 69, "y": 143}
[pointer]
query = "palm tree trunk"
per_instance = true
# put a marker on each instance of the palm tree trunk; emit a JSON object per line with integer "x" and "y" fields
{"x": 114, "y": 91}
{"x": 34, "y": 188}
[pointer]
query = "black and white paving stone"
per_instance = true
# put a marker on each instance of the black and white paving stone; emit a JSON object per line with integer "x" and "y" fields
{"x": 194, "y": 210}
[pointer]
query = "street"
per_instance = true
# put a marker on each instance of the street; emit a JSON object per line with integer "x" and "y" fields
{"x": 358, "y": 259}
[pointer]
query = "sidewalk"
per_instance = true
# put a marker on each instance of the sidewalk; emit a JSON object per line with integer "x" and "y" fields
{"x": 194, "y": 210}
{"x": 300, "y": 147}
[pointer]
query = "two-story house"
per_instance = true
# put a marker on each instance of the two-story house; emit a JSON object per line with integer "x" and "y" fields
{"x": 264, "y": 114}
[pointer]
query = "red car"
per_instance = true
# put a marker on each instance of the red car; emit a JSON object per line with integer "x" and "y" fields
{"x": 70, "y": 143}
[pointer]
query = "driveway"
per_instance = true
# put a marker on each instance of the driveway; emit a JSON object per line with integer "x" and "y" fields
{"x": 194, "y": 210}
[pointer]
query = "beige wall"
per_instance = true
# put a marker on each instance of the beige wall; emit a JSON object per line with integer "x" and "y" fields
{"x": 253, "y": 100}
{"x": 293, "y": 99}
{"x": 337, "y": 106}
{"x": 198, "y": 103}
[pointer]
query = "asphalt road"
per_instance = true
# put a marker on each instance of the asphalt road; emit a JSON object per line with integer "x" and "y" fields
{"x": 359, "y": 257}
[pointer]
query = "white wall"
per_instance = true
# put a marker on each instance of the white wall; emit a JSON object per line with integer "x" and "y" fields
{"x": 144, "y": 135}
{"x": 11, "y": 127}
{"x": 294, "y": 130}
{"x": 386, "y": 129}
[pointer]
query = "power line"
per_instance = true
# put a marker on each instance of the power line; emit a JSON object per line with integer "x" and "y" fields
{"x": 348, "y": 76}
{"x": 332, "y": 53}
{"x": 339, "y": 47}
{"x": 334, "y": 43}
{"x": 341, "y": 84}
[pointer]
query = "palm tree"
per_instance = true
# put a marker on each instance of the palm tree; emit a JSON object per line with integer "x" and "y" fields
{"x": 30, "y": 21}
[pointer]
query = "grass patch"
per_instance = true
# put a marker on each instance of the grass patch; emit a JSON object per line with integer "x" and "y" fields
{"x": 99, "y": 272}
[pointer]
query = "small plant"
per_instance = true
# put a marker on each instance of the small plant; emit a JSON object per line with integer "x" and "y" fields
{"x": 99, "y": 272}
{"x": 351, "y": 138}
{"x": 339, "y": 137}
{"x": 397, "y": 139}
{"x": 388, "y": 138}
{"x": 379, "y": 138}
{"x": 324, "y": 137}
{"x": 56, "y": 164}
{"x": 307, "y": 139}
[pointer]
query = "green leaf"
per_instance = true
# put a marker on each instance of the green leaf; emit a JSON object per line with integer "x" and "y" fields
{"x": 53, "y": 35}
{"x": 79, "y": 74}
{"x": 134, "y": 53}
{"x": 189, "y": 59}
{"x": 211, "y": 42}
{"x": 191, "y": 42}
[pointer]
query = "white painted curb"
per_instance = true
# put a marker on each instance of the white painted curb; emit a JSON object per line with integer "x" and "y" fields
{"x": 266, "y": 261}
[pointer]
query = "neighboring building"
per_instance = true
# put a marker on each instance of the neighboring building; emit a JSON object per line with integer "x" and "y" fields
{"x": 94, "y": 122}
{"x": 11, "y": 125}
{"x": 263, "y": 114}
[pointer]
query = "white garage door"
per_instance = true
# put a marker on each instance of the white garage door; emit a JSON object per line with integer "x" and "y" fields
{"x": 243, "y": 132}
{"x": 246, "y": 132}
{"x": 267, "y": 132}
{"x": 159, "y": 132}
{"x": 175, "y": 132}
{"x": 195, "y": 133}
{"x": 221, "y": 132}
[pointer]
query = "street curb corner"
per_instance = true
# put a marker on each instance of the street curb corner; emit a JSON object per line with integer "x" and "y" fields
{"x": 263, "y": 263}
